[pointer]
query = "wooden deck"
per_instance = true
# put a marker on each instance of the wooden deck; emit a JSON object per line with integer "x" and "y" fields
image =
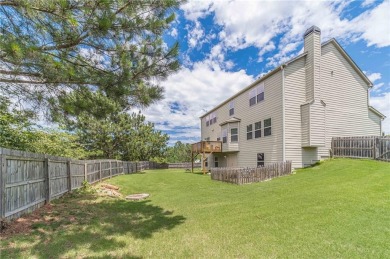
{"x": 207, "y": 147}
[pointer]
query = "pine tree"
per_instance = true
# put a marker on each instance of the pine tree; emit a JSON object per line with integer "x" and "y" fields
{"x": 81, "y": 56}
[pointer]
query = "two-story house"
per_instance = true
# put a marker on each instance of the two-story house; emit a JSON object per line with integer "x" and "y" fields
{"x": 293, "y": 112}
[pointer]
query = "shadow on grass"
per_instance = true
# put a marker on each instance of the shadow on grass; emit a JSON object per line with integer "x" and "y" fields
{"x": 85, "y": 228}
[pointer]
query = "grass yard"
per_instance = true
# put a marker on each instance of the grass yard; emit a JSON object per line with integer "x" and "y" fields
{"x": 339, "y": 209}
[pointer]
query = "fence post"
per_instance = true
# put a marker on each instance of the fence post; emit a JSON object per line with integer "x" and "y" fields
{"x": 110, "y": 169}
{"x": 85, "y": 172}
{"x": 100, "y": 171}
{"x": 3, "y": 178}
{"x": 47, "y": 176}
{"x": 69, "y": 176}
{"x": 374, "y": 147}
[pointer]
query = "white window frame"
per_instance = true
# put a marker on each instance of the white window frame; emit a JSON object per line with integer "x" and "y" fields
{"x": 252, "y": 96}
{"x": 231, "y": 135}
{"x": 260, "y": 159}
{"x": 231, "y": 108}
{"x": 224, "y": 135}
{"x": 249, "y": 132}
{"x": 267, "y": 127}
{"x": 258, "y": 129}
{"x": 259, "y": 91}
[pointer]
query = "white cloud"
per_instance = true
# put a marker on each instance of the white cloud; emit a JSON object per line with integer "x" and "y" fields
{"x": 174, "y": 33}
{"x": 195, "y": 35}
{"x": 367, "y": 3}
{"x": 261, "y": 22}
{"x": 373, "y": 26}
{"x": 382, "y": 104}
{"x": 195, "y": 91}
{"x": 373, "y": 76}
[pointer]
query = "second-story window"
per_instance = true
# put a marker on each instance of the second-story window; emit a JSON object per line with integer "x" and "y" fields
{"x": 249, "y": 131}
{"x": 233, "y": 134}
{"x": 267, "y": 127}
{"x": 207, "y": 121}
{"x": 258, "y": 129}
{"x": 214, "y": 117}
{"x": 224, "y": 136}
{"x": 260, "y": 92}
{"x": 252, "y": 97}
{"x": 231, "y": 108}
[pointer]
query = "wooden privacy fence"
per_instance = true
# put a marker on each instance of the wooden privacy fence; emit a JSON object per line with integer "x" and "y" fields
{"x": 183, "y": 165}
{"x": 251, "y": 175}
{"x": 28, "y": 180}
{"x": 373, "y": 147}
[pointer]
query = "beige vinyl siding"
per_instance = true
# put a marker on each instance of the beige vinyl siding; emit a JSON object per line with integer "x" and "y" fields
{"x": 345, "y": 93}
{"x": 305, "y": 124}
{"x": 295, "y": 96}
{"x": 313, "y": 63}
{"x": 317, "y": 124}
{"x": 270, "y": 107}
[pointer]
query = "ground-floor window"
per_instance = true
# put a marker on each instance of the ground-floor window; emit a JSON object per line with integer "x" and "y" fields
{"x": 260, "y": 159}
{"x": 258, "y": 129}
{"x": 267, "y": 127}
{"x": 234, "y": 135}
{"x": 216, "y": 161}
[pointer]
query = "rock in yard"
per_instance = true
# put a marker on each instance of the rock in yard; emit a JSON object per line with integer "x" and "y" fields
{"x": 110, "y": 186}
{"x": 137, "y": 196}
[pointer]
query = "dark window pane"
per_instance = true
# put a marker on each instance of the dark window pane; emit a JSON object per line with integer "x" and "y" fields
{"x": 249, "y": 135}
{"x": 267, "y": 123}
{"x": 215, "y": 120}
{"x": 234, "y": 138}
{"x": 231, "y": 111}
{"x": 224, "y": 139}
{"x": 260, "y": 156}
{"x": 252, "y": 101}
{"x": 258, "y": 125}
{"x": 260, "y": 164}
{"x": 218, "y": 139}
{"x": 207, "y": 123}
{"x": 249, "y": 128}
{"x": 260, "y": 97}
{"x": 234, "y": 131}
{"x": 258, "y": 134}
{"x": 267, "y": 131}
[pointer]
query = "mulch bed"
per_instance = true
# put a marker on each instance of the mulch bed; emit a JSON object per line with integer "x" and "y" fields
{"x": 23, "y": 225}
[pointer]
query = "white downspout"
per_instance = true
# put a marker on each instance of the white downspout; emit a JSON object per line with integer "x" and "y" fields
{"x": 283, "y": 120}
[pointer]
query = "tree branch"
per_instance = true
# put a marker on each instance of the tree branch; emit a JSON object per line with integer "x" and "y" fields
{"x": 16, "y": 73}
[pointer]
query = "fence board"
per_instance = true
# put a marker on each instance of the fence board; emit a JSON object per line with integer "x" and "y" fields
{"x": 250, "y": 175}
{"x": 372, "y": 147}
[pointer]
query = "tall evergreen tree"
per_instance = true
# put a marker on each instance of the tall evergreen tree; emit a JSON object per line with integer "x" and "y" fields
{"x": 122, "y": 136}
{"x": 80, "y": 56}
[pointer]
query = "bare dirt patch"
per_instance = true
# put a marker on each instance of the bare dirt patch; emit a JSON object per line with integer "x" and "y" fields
{"x": 24, "y": 224}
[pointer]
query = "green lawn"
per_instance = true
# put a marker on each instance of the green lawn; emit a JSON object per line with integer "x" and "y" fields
{"x": 339, "y": 209}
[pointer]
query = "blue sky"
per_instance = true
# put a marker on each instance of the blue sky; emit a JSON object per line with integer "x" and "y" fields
{"x": 225, "y": 45}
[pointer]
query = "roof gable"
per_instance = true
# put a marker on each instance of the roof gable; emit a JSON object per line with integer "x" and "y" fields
{"x": 349, "y": 59}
